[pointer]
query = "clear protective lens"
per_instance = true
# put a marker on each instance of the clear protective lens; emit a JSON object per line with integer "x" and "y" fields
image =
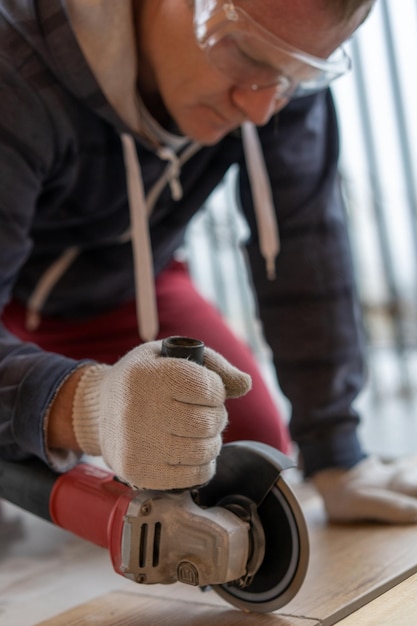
{"x": 254, "y": 58}
{"x": 234, "y": 55}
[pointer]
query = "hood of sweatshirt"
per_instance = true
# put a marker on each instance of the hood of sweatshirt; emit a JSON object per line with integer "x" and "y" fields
{"x": 52, "y": 41}
{"x": 101, "y": 70}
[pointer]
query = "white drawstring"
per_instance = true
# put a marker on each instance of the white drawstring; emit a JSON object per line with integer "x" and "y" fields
{"x": 142, "y": 251}
{"x": 166, "y": 154}
{"x": 45, "y": 286}
{"x": 141, "y": 244}
{"x": 269, "y": 242}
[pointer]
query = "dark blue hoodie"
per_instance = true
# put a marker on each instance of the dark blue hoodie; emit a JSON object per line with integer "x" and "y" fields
{"x": 63, "y": 189}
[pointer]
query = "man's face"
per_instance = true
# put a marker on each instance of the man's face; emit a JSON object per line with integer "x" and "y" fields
{"x": 176, "y": 76}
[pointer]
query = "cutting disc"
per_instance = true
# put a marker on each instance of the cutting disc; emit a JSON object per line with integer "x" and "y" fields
{"x": 254, "y": 470}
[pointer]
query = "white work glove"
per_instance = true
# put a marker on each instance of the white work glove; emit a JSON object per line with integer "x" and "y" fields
{"x": 155, "y": 420}
{"x": 371, "y": 490}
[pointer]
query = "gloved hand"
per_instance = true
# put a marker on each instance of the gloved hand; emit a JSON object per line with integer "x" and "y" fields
{"x": 157, "y": 421}
{"x": 371, "y": 490}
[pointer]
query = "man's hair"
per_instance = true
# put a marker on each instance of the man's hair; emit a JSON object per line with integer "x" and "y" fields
{"x": 347, "y": 8}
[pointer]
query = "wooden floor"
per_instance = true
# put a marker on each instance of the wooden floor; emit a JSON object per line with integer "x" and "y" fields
{"x": 50, "y": 578}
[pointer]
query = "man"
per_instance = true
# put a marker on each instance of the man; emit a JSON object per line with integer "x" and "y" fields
{"x": 116, "y": 114}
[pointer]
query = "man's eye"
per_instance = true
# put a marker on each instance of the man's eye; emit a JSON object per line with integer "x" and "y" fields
{"x": 238, "y": 58}
{"x": 248, "y": 57}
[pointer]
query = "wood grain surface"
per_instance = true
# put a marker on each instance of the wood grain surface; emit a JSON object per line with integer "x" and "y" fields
{"x": 351, "y": 564}
{"x": 131, "y": 609}
{"x": 396, "y": 607}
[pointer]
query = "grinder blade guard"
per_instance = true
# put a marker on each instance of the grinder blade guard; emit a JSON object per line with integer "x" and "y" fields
{"x": 252, "y": 471}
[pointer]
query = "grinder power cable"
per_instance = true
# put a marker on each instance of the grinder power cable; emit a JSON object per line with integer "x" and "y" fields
{"x": 243, "y": 534}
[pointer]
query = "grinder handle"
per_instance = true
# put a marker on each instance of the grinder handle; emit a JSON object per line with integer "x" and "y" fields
{"x": 184, "y": 348}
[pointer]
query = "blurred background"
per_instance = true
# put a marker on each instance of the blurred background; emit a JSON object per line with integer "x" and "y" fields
{"x": 377, "y": 108}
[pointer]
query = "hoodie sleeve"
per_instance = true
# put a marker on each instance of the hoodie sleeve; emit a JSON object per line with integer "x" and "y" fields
{"x": 310, "y": 312}
{"x": 29, "y": 377}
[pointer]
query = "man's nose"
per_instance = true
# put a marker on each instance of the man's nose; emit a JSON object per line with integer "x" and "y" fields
{"x": 258, "y": 106}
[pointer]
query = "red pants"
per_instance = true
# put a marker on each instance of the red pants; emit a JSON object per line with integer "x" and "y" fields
{"x": 182, "y": 311}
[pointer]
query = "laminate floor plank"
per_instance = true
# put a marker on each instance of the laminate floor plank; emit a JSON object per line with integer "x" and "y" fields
{"x": 133, "y": 609}
{"x": 397, "y": 607}
{"x": 350, "y": 565}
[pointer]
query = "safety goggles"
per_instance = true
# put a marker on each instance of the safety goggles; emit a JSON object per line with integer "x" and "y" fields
{"x": 253, "y": 58}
